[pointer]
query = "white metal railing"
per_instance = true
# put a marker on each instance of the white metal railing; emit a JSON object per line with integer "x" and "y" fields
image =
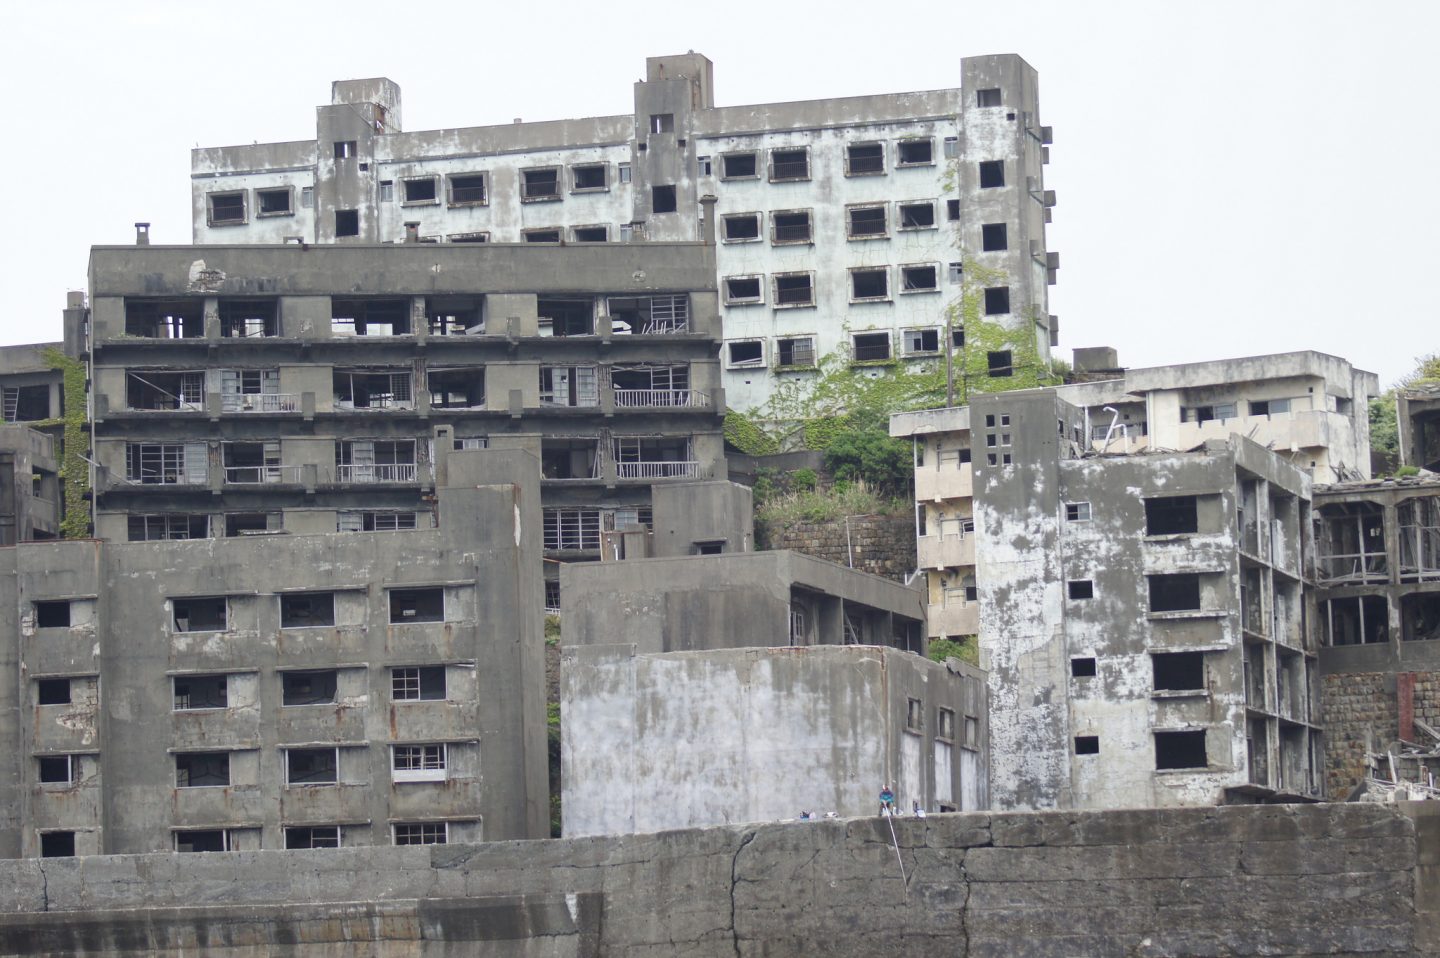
{"x": 657, "y": 470}
{"x": 254, "y": 475}
{"x": 258, "y": 402}
{"x": 376, "y": 402}
{"x": 376, "y": 472}
{"x": 690, "y": 398}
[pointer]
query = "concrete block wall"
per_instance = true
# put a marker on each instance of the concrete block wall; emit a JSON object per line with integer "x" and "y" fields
{"x": 1339, "y": 879}
{"x": 1387, "y": 705}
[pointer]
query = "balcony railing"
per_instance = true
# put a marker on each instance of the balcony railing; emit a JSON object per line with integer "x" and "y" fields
{"x": 668, "y": 398}
{"x": 1355, "y": 567}
{"x": 257, "y": 475}
{"x": 258, "y": 402}
{"x": 376, "y": 472}
{"x": 657, "y": 470}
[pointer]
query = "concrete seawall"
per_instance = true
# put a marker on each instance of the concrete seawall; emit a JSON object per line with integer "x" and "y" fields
{"x": 1246, "y": 880}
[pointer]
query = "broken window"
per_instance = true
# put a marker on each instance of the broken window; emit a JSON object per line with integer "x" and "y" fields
{"x": 914, "y": 715}
{"x": 249, "y": 318}
{"x": 870, "y": 347}
{"x": 57, "y": 769}
{"x": 793, "y": 164}
{"x": 311, "y": 766}
{"x": 458, "y": 388}
{"x": 253, "y": 462}
{"x": 919, "y": 278}
{"x": 743, "y": 289}
{"x": 202, "y": 769}
{"x": 251, "y": 523}
{"x": 226, "y": 209}
{"x": 200, "y": 614}
{"x": 702, "y": 166}
{"x": 945, "y": 723}
{"x": 480, "y": 237}
{"x": 662, "y": 199}
{"x": 202, "y": 840}
{"x": 161, "y": 390}
{"x": 740, "y": 227}
{"x": 367, "y": 520}
{"x": 421, "y": 683}
{"x": 798, "y": 351}
{"x": 794, "y": 289}
{"x": 742, "y": 353}
{"x": 417, "y": 605}
{"x": 1224, "y": 410}
{"x": 662, "y": 123}
{"x": 1420, "y": 617}
{"x": 1419, "y": 524}
{"x": 790, "y": 226}
{"x": 569, "y": 459}
{"x": 589, "y": 177}
{"x": 26, "y": 403}
{"x": 52, "y": 692}
{"x": 299, "y": 610}
{"x": 869, "y": 284}
{"x": 540, "y": 184}
{"x": 469, "y": 189}
{"x": 992, "y": 174}
{"x": 997, "y": 300}
{"x": 917, "y": 151}
{"x": 200, "y": 692}
{"x": 375, "y": 460}
{"x": 917, "y": 216}
{"x": 662, "y": 313}
{"x": 571, "y": 386}
{"x": 545, "y": 235}
{"x": 864, "y": 158}
{"x": 1350, "y": 543}
{"x": 989, "y": 97}
{"x": 455, "y": 315}
{"x": 274, "y": 202}
{"x": 54, "y": 614}
{"x": 956, "y": 272}
{"x": 347, "y": 222}
{"x": 421, "y": 833}
{"x": 999, "y": 363}
{"x": 252, "y": 390}
{"x": 654, "y": 457}
{"x": 590, "y": 234}
{"x": 1172, "y": 516}
{"x": 1082, "y": 667}
{"x": 146, "y": 528}
{"x": 165, "y": 318}
{"x": 371, "y": 389}
{"x": 921, "y": 341}
{"x": 308, "y": 688}
{"x": 865, "y": 222}
{"x": 1357, "y": 620}
{"x": 1180, "y": 749}
{"x": 734, "y": 166}
{"x": 952, "y": 210}
{"x": 1269, "y": 407}
{"x": 177, "y": 463}
{"x": 312, "y": 836}
{"x": 418, "y": 763}
{"x": 646, "y": 384}
{"x": 1081, "y": 589}
{"x": 1077, "y": 512}
{"x": 1175, "y": 592}
{"x": 566, "y": 316}
{"x": 993, "y": 237}
{"x": 1178, "y": 671}
{"x": 421, "y": 190}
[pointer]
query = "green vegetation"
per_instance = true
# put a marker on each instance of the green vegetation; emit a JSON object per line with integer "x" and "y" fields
{"x": 785, "y": 507}
{"x": 552, "y": 630}
{"x": 552, "y": 715}
{"x": 966, "y": 650}
{"x": 1384, "y": 430}
{"x": 866, "y": 453}
{"x": 75, "y": 442}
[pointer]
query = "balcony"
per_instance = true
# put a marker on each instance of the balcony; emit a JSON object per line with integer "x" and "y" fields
{"x": 945, "y": 551}
{"x": 944, "y": 480}
{"x": 259, "y": 402}
{"x": 261, "y": 475}
{"x": 661, "y": 399}
{"x": 676, "y": 469}
{"x": 954, "y": 619}
{"x": 377, "y": 472}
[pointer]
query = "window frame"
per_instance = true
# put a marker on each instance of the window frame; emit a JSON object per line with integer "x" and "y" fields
{"x": 855, "y": 271}
{"x": 775, "y": 227}
{"x": 450, "y": 187}
{"x": 880, "y": 148}
{"x": 772, "y": 158}
{"x": 434, "y": 180}
{"x": 921, "y": 353}
{"x": 902, "y": 163}
{"x": 754, "y": 173}
{"x": 210, "y": 198}
{"x": 757, "y": 300}
{"x": 401, "y": 682}
{"x": 291, "y": 751}
{"x": 776, "y": 303}
{"x": 852, "y": 208}
{"x": 873, "y": 334}
{"x": 814, "y": 353}
{"x": 71, "y": 769}
{"x": 428, "y": 769}
{"x": 759, "y": 220}
{"x": 906, "y": 268}
{"x": 527, "y": 197}
{"x": 286, "y": 189}
{"x": 903, "y": 205}
{"x": 444, "y": 835}
{"x": 758, "y": 363}
{"x": 229, "y": 777}
{"x": 604, "y": 169}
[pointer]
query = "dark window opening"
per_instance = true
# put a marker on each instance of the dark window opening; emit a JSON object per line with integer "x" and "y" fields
{"x": 916, "y": 152}
{"x": 869, "y": 284}
{"x": 662, "y": 199}
{"x": 274, "y": 202}
{"x": 541, "y": 236}
{"x": 737, "y": 165}
{"x": 994, "y": 237}
{"x": 987, "y": 97}
{"x": 869, "y": 347}
{"x": 864, "y": 158}
{"x": 794, "y": 289}
{"x": 742, "y": 289}
{"x": 866, "y": 221}
{"x": 747, "y": 353}
{"x": 789, "y": 165}
{"x": 917, "y": 216}
{"x": 201, "y": 840}
{"x": 589, "y": 177}
{"x": 1420, "y": 617}
{"x": 52, "y": 691}
{"x": 165, "y": 319}
{"x": 202, "y": 769}
{"x": 795, "y": 352}
{"x": 347, "y": 222}
{"x": 566, "y": 317}
{"x": 417, "y": 605}
{"x": 992, "y": 174}
{"x": 1176, "y": 592}
{"x": 456, "y": 388}
{"x": 1087, "y": 745}
{"x": 246, "y": 523}
{"x": 227, "y": 208}
{"x": 26, "y": 403}
{"x": 57, "y": 844}
{"x": 52, "y": 615}
{"x": 999, "y": 363}
{"x": 423, "y": 683}
{"x": 540, "y": 184}
{"x": 1082, "y": 667}
{"x": 662, "y": 123}
{"x": 311, "y": 766}
{"x": 312, "y": 836}
{"x": 997, "y": 300}
{"x": 710, "y": 548}
{"x": 916, "y": 278}
{"x": 249, "y": 318}
{"x": 1077, "y": 512}
{"x": 914, "y": 715}
{"x": 56, "y": 769}
{"x": 303, "y": 609}
{"x": 370, "y": 317}
{"x": 1171, "y": 515}
{"x": 421, "y": 190}
{"x": 344, "y": 149}
{"x": 205, "y": 614}
{"x": 454, "y": 315}
{"x": 952, "y": 210}
{"x": 150, "y": 528}
{"x": 743, "y": 226}
{"x": 201, "y": 692}
{"x": 1180, "y": 750}
{"x": 569, "y": 458}
{"x": 919, "y": 341}
{"x": 791, "y": 227}
{"x": 1081, "y": 589}
{"x": 1178, "y": 671}
{"x": 1357, "y": 620}
{"x": 591, "y": 234}
{"x": 469, "y": 189}
{"x": 957, "y": 337}
{"x": 308, "y": 688}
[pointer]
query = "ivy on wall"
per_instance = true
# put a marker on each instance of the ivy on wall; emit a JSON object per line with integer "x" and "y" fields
{"x": 75, "y": 445}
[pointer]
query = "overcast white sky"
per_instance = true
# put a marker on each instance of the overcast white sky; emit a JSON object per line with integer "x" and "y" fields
{"x": 1233, "y": 178}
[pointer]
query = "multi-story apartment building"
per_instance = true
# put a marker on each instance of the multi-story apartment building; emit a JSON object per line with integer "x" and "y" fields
{"x": 221, "y": 694}
{"x": 29, "y": 486}
{"x": 846, "y": 226}
{"x": 241, "y": 390}
{"x": 1418, "y": 419}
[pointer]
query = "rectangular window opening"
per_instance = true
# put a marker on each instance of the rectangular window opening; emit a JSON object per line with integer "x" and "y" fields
{"x": 743, "y": 289}
{"x": 1077, "y": 512}
{"x": 999, "y": 363}
{"x": 794, "y": 289}
{"x": 52, "y": 691}
{"x": 312, "y": 836}
{"x": 869, "y": 284}
{"x": 1081, "y": 589}
{"x": 57, "y": 769}
{"x": 417, "y": 605}
{"x": 740, "y": 227}
{"x": 420, "y": 683}
{"x": 662, "y": 199}
{"x": 997, "y": 300}
{"x": 52, "y": 615}
{"x": 993, "y": 237}
{"x": 864, "y": 158}
{"x": 866, "y": 222}
{"x": 1175, "y": 592}
{"x": 540, "y": 184}
{"x": 200, "y": 692}
{"x": 273, "y": 202}
{"x": 790, "y": 226}
{"x": 915, "y": 152}
{"x": 308, "y": 688}
{"x": 1083, "y": 667}
{"x": 469, "y": 189}
{"x": 202, "y": 769}
{"x": 421, "y": 190}
{"x": 202, "y": 614}
{"x": 1087, "y": 745}
{"x": 992, "y": 174}
{"x": 919, "y": 279}
{"x": 1180, "y": 750}
{"x": 58, "y": 844}
{"x": 347, "y": 222}
{"x": 737, "y": 166}
{"x": 797, "y": 351}
{"x": 311, "y": 766}
{"x": 870, "y": 347}
{"x": 989, "y": 97}
{"x": 790, "y": 164}
{"x": 1171, "y": 515}
{"x": 1178, "y": 671}
{"x": 591, "y": 177}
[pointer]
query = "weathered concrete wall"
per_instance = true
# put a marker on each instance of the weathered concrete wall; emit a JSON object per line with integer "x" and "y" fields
{"x": 880, "y": 545}
{"x": 1248, "y": 880}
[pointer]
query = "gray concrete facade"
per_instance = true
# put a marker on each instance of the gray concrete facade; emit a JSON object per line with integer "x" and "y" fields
{"x": 30, "y": 493}
{"x": 281, "y": 691}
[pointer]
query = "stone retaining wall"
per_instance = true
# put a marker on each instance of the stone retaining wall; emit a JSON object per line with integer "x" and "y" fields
{"x": 1384, "y": 704}
{"x": 880, "y": 545}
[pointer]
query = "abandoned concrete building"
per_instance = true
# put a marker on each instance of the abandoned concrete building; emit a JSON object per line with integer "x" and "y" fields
{"x": 240, "y": 390}
{"x": 1418, "y": 419}
{"x": 348, "y": 689}
{"x": 751, "y": 687}
{"x": 844, "y": 224}
{"x": 30, "y": 497}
